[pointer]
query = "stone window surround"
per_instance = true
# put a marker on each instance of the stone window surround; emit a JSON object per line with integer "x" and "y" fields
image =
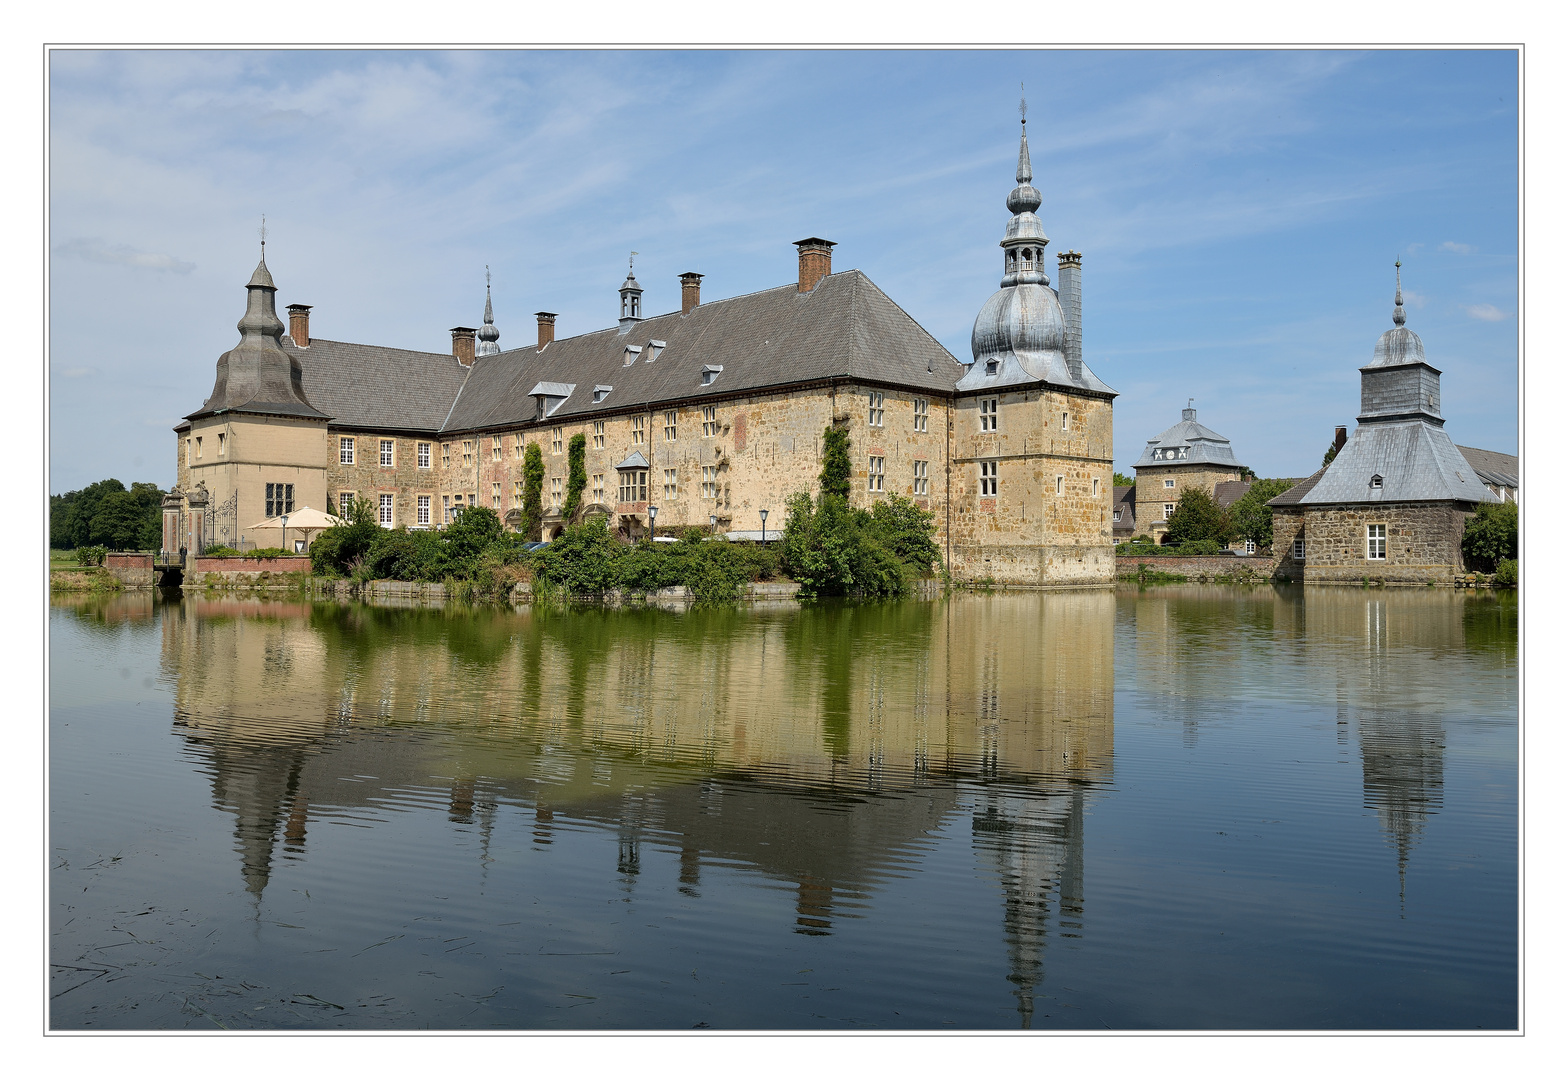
{"x": 386, "y": 509}
{"x": 922, "y": 412}
{"x": 1377, "y": 541}
{"x": 422, "y": 509}
{"x": 989, "y": 480}
{"x": 989, "y": 413}
{"x": 422, "y": 455}
{"x": 875, "y": 472}
{"x": 345, "y": 449}
{"x": 388, "y": 453}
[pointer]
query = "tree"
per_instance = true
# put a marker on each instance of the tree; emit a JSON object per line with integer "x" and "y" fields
{"x": 835, "y": 463}
{"x": 909, "y": 532}
{"x": 75, "y": 509}
{"x": 1198, "y": 517}
{"x": 1251, "y": 516}
{"x": 533, "y": 488}
{"x": 1491, "y": 536}
{"x": 1122, "y": 481}
{"x": 1330, "y": 454}
{"x": 576, "y": 474}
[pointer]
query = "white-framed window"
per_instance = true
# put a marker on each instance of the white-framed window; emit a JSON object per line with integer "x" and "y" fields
{"x": 874, "y": 474}
{"x": 517, "y": 493}
{"x": 1064, "y": 421}
{"x": 1252, "y": 548}
{"x": 446, "y": 455}
{"x": 280, "y": 499}
{"x": 634, "y": 485}
{"x": 555, "y": 491}
{"x": 874, "y": 408}
{"x": 345, "y": 504}
{"x": 1094, "y": 486}
{"x": 555, "y": 440}
{"x": 1061, "y": 484}
{"x": 495, "y": 494}
{"x": 519, "y": 447}
{"x": 988, "y": 414}
{"x": 495, "y": 448}
{"x": 422, "y": 455}
{"x": 922, "y": 480}
{"x": 922, "y": 413}
{"x": 988, "y": 478}
{"x": 710, "y": 481}
{"x": 1170, "y": 508}
{"x": 1116, "y": 515}
{"x": 598, "y": 434}
{"x": 598, "y": 487}
{"x": 1298, "y": 549}
{"x": 669, "y": 484}
{"x": 384, "y": 510}
{"x": 1377, "y": 541}
{"x": 468, "y": 452}
{"x": 710, "y": 421}
{"x": 669, "y": 426}
{"x": 345, "y": 450}
{"x": 638, "y": 431}
{"x": 422, "y": 510}
{"x": 446, "y": 508}
{"x": 1170, "y": 483}
{"x": 388, "y": 452}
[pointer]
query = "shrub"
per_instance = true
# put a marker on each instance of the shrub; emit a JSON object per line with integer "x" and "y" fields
{"x": 835, "y": 463}
{"x": 533, "y": 487}
{"x": 1508, "y": 572}
{"x": 338, "y": 550}
{"x": 1252, "y": 517}
{"x": 576, "y": 475}
{"x": 91, "y": 555}
{"x": 581, "y": 560}
{"x": 834, "y": 549}
{"x": 1491, "y": 536}
{"x": 1198, "y": 517}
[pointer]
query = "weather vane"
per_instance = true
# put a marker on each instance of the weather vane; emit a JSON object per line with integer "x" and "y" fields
{"x": 487, "y": 277}
{"x": 262, "y": 232}
{"x": 629, "y": 263}
{"x": 1023, "y": 105}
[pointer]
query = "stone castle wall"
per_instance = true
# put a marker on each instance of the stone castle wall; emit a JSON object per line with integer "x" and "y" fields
{"x": 1152, "y": 494}
{"x": 1422, "y": 543}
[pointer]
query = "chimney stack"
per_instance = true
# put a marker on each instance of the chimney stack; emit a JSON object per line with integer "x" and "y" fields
{"x": 1340, "y": 438}
{"x": 691, "y": 291}
{"x": 546, "y": 328}
{"x": 816, "y": 261}
{"x": 1069, "y": 290}
{"x": 299, "y": 325}
{"x": 463, "y": 345}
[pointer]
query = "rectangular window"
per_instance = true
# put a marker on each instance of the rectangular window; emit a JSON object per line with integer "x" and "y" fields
{"x": 446, "y": 455}
{"x": 598, "y": 487}
{"x": 495, "y": 495}
{"x": 637, "y": 432}
{"x": 220, "y": 444}
{"x": 710, "y": 422}
{"x": 1064, "y": 421}
{"x": 495, "y": 448}
{"x": 346, "y": 450}
{"x": 988, "y": 414}
{"x": 874, "y": 474}
{"x": 280, "y": 499}
{"x": 555, "y": 440}
{"x": 422, "y": 511}
{"x": 874, "y": 409}
{"x": 422, "y": 455}
{"x": 1298, "y": 549}
{"x": 345, "y": 504}
{"x": 198, "y": 448}
{"x": 922, "y": 479}
{"x": 187, "y": 451}
{"x": 1170, "y": 483}
{"x": 446, "y": 509}
{"x": 517, "y": 493}
{"x": 555, "y": 491}
{"x": 1094, "y": 486}
{"x": 922, "y": 413}
{"x": 598, "y": 434}
{"x": 988, "y": 478}
{"x": 1377, "y": 541}
{"x": 1060, "y": 483}
{"x": 710, "y": 481}
{"x": 385, "y": 517}
{"x": 468, "y": 452}
{"x": 1252, "y": 548}
{"x": 634, "y": 485}
{"x": 1116, "y": 515}
{"x": 387, "y": 447}
{"x": 669, "y": 484}
{"x": 669, "y": 427}
{"x": 1170, "y": 508}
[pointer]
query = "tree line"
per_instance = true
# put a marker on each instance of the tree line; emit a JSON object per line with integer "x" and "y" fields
{"x": 108, "y": 514}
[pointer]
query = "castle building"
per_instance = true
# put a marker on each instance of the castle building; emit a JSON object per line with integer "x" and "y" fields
{"x": 1391, "y": 507}
{"x": 709, "y": 416}
{"x": 1185, "y": 455}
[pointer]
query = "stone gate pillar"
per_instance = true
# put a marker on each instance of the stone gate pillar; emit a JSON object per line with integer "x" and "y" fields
{"x": 171, "y": 522}
{"x": 197, "y": 538}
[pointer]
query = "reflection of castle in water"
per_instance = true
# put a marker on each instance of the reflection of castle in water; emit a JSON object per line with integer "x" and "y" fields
{"x": 766, "y": 740}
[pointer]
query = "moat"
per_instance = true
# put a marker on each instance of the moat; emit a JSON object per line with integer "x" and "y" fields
{"x": 1179, "y": 807}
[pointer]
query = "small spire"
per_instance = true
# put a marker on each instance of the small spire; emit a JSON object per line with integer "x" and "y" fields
{"x": 262, "y": 232}
{"x": 1399, "y": 298}
{"x": 1025, "y": 169}
{"x": 488, "y": 335}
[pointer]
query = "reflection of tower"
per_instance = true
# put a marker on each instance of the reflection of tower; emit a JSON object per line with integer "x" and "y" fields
{"x": 261, "y": 789}
{"x": 1402, "y": 777}
{"x": 1034, "y": 842}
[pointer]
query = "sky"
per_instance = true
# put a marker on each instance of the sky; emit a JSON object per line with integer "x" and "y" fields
{"x": 1239, "y": 213}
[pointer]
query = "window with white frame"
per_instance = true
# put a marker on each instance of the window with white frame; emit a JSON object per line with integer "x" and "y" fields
{"x": 1170, "y": 483}
{"x": 346, "y": 450}
{"x": 495, "y": 448}
{"x": 638, "y": 431}
{"x": 446, "y": 509}
{"x": 922, "y": 480}
{"x": 1064, "y": 421}
{"x": 988, "y": 478}
{"x": 555, "y": 491}
{"x": 1298, "y": 549}
{"x": 388, "y": 448}
{"x": 345, "y": 504}
{"x": 384, "y": 514}
{"x": 1116, "y": 515}
{"x": 517, "y": 493}
{"x": 446, "y": 455}
{"x": 710, "y": 421}
{"x": 187, "y": 451}
{"x": 669, "y": 426}
{"x": 422, "y": 455}
{"x": 922, "y": 413}
{"x": 710, "y": 481}
{"x": 1377, "y": 541}
{"x": 555, "y": 440}
{"x": 468, "y": 452}
{"x": 280, "y": 499}
{"x": 874, "y": 409}
{"x": 669, "y": 484}
{"x": 598, "y": 487}
{"x": 1170, "y": 508}
{"x": 1061, "y": 483}
{"x": 1094, "y": 486}
{"x": 634, "y": 485}
{"x": 495, "y": 495}
{"x": 874, "y": 474}
{"x": 422, "y": 510}
{"x": 1252, "y": 547}
{"x": 988, "y": 414}
{"x": 598, "y": 434}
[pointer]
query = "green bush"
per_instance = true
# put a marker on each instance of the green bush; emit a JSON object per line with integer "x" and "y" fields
{"x": 1198, "y": 516}
{"x": 1508, "y": 572}
{"x": 1252, "y": 517}
{"x": 576, "y": 475}
{"x": 91, "y": 555}
{"x": 586, "y": 559}
{"x": 835, "y": 463}
{"x": 221, "y": 552}
{"x": 1491, "y": 536}
{"x": 533, "y": 488}
{"x": 834, "y": 549}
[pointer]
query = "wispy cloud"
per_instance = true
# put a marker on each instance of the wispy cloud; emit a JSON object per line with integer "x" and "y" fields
{"x": 94, "y": 249}
{"x": 1458, "y": 248}
{"x": 1414, "y": 299}
{"x": 1487, "y": 312}
{"x": 77, "y": 372}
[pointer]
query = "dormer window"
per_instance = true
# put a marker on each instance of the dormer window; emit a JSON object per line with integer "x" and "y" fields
{"x": 991, "y": 366}
{"x": 1377, "y": 481}
{"x": 655, "y": 347}
{"x": 632, "y": 352}
{"x": 710, "y": 372}
{"x": 601, "y": 392}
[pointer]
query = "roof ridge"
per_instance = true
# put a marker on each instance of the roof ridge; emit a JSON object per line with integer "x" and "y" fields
{"x": 314, "y": 341}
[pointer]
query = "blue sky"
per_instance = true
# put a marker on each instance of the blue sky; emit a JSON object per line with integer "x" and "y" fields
{"x": 1238, "y": 213}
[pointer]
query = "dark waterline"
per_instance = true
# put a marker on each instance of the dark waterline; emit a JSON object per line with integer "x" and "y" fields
{"x": 1185, "y": 807}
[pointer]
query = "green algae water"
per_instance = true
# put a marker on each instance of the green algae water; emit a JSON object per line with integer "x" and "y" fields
{"x": 1176, "y": 808}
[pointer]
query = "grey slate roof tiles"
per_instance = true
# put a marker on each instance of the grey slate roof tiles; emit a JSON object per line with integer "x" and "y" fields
{"x": 372, "y": 386}
{"x": 1228, "y": 491}
{"x": 1293, "y": 496}
{"x": 1491, "y": 466}
{"x": 1416, "y": 460}
{"x": 1204, "y": 447}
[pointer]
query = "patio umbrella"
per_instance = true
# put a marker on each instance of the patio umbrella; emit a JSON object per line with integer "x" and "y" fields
{"x": 306, "y": 519}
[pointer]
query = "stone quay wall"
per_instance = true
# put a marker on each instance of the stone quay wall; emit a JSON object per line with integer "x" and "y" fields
{"x": 1203, "y": 567}
{"x": 131, "y": 569}
{"x": 233, "y": 572}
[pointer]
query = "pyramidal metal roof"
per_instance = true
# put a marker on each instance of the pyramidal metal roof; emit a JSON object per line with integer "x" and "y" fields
{"x": 1188, "y": 443}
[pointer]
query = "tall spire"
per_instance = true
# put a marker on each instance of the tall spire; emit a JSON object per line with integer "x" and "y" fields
{"x": 488, "y": 335}
{"x": 1025, "y": 170}
{"x": 1399, "y": 298}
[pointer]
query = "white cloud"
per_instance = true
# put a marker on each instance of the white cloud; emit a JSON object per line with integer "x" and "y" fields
{"x": 1414, "y": 299}
{"x": 1487, "y": 312}
{"x": 94, "y": 249}
{"x": 1458, "y": 248}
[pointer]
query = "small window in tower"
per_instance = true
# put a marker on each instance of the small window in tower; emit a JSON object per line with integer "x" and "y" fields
{"x": 988, "y": 478}
{"x": 1061, "y": 482}
{"x": 220, "y": 444}
{"x": 198, "y": 448}
{"x": 1377, "y": 481}
{"x": 991, "y": 367}
{"x": 1064, "y": 421}
{"x": 988, "y": 414}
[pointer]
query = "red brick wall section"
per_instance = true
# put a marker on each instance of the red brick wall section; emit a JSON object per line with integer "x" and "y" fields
{"x": 285, "y": 565}
{"x": 122, "y": 560}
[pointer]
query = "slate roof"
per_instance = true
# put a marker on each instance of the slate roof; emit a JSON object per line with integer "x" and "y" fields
{"x": 1204, "y": 447}
{"x": 846, "y": 328}
{"x": 1228, "y": 491}
{"x": 1123, "y": 498}
{"x": 372, "y": 386}
{"x": 1416, "y": 459}
{"x": 1293, "y": 496}
{"x": 1492, "y": 467}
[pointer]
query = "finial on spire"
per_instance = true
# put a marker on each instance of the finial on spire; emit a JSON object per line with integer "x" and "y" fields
{"x": 629, "y": 263}
{"x": 1399, "y": 298}
{"x": 1023, "y": 105}
{"x": 262, "y": 232}
{"x": 487, "y": 279}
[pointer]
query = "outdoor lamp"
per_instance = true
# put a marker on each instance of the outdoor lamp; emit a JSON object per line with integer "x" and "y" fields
{"x": 764, "y": 514}
{"x": 285, "y": 544}
{"x": 653, "y": 513}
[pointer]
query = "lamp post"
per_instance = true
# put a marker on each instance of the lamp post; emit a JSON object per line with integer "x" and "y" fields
{"x": 285, "y": 544}
{"x": 764, "y": 514}
{"x": 653, "y": 514}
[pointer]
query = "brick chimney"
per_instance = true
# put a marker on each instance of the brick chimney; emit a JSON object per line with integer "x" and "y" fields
{"x": 546, "y": 328}
{"x": 299, "y": 325}
{"x": 816, "y": 261}
{"x": 1340, "y": 438}
{"x": 691, "y": 291}
{"x": 463, "y": 344}
{"x": 1069, "y": 289}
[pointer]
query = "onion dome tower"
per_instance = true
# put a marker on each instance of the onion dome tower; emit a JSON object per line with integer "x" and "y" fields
{"x": 488, "y": 335}
{"x": 1020, "y": 336}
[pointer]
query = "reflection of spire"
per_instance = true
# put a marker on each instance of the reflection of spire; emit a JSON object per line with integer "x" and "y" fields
{"x": 813, "y": 906}
{"x": 1402, "y": 777}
